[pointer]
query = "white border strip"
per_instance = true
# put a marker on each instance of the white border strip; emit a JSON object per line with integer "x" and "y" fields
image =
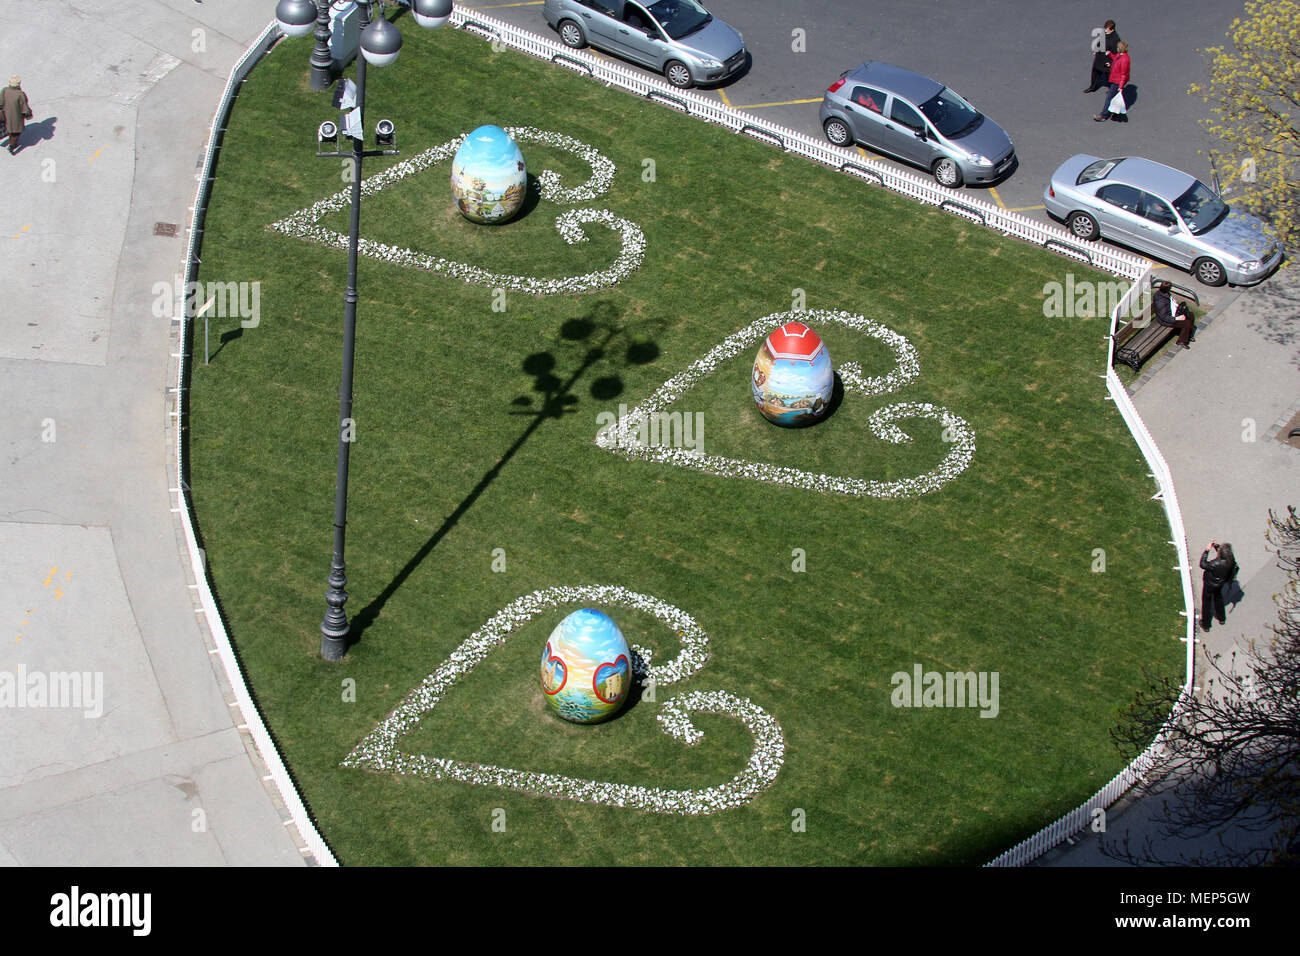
{"x": 251, "y": 716}
{"x": 1081, "y": 817}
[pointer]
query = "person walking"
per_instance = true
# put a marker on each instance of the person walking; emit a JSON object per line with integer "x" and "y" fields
{"x": 13, "y": 102}
{"x": 1173, "y": 315}
{"x": 1101, "y": 59}
{"x": 1218, "y": 571}
{"x": 1119, "y": 77}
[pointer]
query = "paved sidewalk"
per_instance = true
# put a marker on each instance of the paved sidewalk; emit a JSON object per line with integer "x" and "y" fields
{"x": 145, "y": 764}
{"x": 1214, "y": 410}
{"x": 137, "y": 760}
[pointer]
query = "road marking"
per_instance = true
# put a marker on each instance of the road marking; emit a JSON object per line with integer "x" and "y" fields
{"x": 997, "y": 198}
{"x": 19, "y": 233}
{"x": 96, "y": 156}
{"x": 726, "y": 102}
{"x": 755, "y": 106}
{"x": 1022, "y": 208}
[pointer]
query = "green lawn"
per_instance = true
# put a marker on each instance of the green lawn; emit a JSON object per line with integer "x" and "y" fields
{"x": 474, "y": 432}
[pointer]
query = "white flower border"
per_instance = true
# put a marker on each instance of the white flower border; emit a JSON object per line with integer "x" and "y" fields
{"x": 305, "y": 223}
{"x": 622, "y": 437}
{"x": 378, "y": 751}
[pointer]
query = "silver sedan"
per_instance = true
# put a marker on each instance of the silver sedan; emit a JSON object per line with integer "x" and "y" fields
{"x": 1164, "y": 213}
{"x": 677, "y": 38}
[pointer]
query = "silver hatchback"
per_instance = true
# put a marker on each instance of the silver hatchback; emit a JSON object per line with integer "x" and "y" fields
{"x": 677, "y": 38}
{"x": 902, "y": 113}
{"x": 1165, "y": 213}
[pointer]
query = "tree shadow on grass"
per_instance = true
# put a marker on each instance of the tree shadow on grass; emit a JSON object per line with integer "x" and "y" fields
{"x": 600, "y": 332}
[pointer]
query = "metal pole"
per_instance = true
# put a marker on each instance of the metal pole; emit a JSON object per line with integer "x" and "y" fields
{"x": 334, "y": 628}
{"x": 322, "y": 64}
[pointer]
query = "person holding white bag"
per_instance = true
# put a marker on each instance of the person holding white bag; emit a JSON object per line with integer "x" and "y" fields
{"x": 1119, "y": 77}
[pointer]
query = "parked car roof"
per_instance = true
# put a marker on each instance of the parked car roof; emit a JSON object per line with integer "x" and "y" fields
{"x": 906, "y": 83}
{"x": 1152, "y": 177}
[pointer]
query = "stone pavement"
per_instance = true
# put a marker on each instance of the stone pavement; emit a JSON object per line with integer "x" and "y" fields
{"x": 1216, "y": 411}
{"x": 141, "y": 762}
{"x": 137, "y": 759}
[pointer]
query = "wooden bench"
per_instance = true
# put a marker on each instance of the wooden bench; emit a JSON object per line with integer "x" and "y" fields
{"x": 1143, "y": 336}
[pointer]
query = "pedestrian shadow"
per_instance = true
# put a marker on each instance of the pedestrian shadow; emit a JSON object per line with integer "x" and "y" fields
{"x": 37, "y": 132}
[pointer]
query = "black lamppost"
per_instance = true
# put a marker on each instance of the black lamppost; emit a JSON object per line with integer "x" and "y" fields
{"x": 380, "y": 44}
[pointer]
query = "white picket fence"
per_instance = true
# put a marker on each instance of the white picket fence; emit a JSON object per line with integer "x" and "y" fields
{"x": 847, "y": 161}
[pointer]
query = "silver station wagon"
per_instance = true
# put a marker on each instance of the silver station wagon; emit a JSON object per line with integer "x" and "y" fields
{"x": 1165, "y": 213}
{"x": 902, "y": 113}
{"x": 677, "y": 38}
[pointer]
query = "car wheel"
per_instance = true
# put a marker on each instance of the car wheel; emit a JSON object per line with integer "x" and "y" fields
{"x": 1209, "y": 272}
{"x": 1083, "y": 226}
{"x": 838, "y": 132}
{"x": 947, "y": 172}
{"x": 676, "y": 73}
{"x": 572, "y": 34}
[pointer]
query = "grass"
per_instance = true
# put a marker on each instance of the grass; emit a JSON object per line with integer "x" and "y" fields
{"x": 474, "y": 432}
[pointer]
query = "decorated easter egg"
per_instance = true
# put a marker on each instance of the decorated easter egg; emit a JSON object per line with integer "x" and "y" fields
{"x": 488, "y": 177}
{"x": 793, "y": 379}
{"x": 586, "y": 667}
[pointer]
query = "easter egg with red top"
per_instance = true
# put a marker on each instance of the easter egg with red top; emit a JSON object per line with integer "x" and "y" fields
{"x": 793, "y": 378}
{"x": 586, "y": 667}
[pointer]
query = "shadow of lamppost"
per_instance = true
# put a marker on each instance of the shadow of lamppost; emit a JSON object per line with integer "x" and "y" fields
{"x": 380, "y": 43}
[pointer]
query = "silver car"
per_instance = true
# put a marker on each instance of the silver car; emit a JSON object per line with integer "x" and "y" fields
{"x": 1164, "y": 213}
{"x": 677, "y": 38}
{"x": 902, "y": 113}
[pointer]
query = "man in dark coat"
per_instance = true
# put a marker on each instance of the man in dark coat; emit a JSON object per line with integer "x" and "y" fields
{"x": 1101, "y": 59}
{"x": 1171, "y": 315}
{"x": 13, "y": 102}
{"x": 1218, "y": 572}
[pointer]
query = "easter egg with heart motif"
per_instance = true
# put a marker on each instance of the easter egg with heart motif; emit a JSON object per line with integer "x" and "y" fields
{"x": 586, "y": 667}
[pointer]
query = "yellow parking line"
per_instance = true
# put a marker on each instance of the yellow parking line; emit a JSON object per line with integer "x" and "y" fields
{"x": 755, "y": 106}
{"x": 1021, "y": 208}
{"x": 997, "y": 198}
{"x": 726, "y": 102}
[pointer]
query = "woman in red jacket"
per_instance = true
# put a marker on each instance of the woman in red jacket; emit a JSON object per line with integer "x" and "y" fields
{"x": 1119, "y": 76}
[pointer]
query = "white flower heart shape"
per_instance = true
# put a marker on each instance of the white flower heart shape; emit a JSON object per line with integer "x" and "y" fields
{"x": 378, "y": 751}
{"x": 305, "y": 223}
{"x": 626, "y": 435}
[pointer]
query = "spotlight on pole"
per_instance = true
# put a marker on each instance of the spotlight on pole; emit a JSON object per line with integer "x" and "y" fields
{"x": 385, "y": 134}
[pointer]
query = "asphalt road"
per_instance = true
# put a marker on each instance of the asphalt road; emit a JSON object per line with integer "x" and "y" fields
{"x": 1024, "y": 64}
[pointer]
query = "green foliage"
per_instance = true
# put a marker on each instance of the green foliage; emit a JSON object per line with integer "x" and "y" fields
{"x": 1254, "y": 92}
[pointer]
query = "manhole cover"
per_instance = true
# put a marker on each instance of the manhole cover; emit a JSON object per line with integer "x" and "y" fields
{"x": 166, "y": 229}
{"x": 1284, "y": 433}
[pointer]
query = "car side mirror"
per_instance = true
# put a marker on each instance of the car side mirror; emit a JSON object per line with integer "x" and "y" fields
{"x": 920, "y": 134}
{"x": 1173, "y": 229}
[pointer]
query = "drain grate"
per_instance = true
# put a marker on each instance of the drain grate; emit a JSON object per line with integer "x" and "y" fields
{"x": 166, "y": 229}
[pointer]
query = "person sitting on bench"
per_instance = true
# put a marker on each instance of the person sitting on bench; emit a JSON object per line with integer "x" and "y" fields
{"x": 1173, "y": 315}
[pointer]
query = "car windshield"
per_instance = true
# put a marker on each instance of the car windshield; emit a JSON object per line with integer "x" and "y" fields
{"x": 1094, "y": 171}
{"x": 680, "y": 17}
{"x": 950, "y": 114}
{"x": 1200, "y": 208}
